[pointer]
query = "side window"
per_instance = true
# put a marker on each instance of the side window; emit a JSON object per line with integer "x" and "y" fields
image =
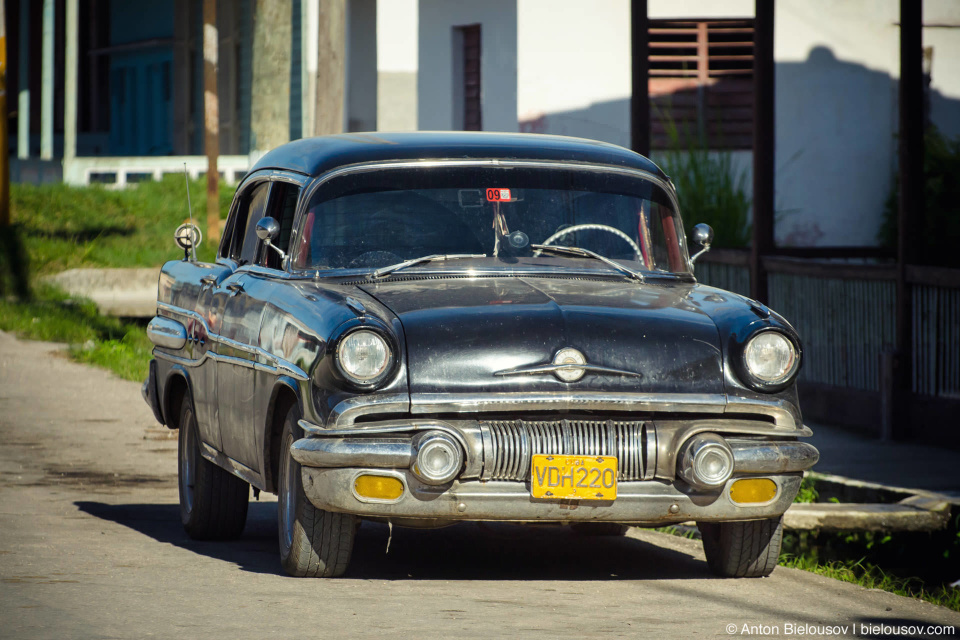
{"x": 245, "y": 244}
{"x": 283, "y": 206}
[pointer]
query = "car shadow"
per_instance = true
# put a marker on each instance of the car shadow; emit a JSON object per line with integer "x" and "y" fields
{"x": 468, "y": 551}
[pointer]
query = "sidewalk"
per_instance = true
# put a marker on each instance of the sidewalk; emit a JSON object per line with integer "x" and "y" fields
{"x": 901, "y": 464}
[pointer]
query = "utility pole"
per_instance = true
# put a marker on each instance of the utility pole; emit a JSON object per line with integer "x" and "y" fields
{"x": 4, "y": 122}
{"x": 763, "y": 148}
{"x": 270, "y": 102}
{"x": 910, "y": 209}
{"x": 331, "y": 67}
{"x": 211, "y": 117}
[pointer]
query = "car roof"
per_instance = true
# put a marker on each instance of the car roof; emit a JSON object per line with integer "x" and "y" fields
{"x": 316, "y": 156}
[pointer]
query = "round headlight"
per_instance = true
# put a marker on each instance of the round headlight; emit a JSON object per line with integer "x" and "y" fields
{"x": 770, "y": 357}
{"x": 363, "y": 356}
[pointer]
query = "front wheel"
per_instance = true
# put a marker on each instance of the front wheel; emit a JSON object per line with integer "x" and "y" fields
{"x": 213, "y": 502}
{"x": 748, "y": 549}
{"x": 313, "y": 543}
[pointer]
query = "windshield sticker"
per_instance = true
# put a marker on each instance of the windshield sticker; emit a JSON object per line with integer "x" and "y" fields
{"x": 498, "y": 195}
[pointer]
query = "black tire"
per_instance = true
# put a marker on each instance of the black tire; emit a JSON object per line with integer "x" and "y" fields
{"x": 600, "y": 528}
{"x": 748, "y": 549}
{"x": 213, "y": 502}
{"x": 313, "y": 543}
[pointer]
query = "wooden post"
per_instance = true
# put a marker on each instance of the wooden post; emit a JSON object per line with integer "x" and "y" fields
{"x": 23, "y": 106}
{"x": 763, "y": 148}
{"x": 910, "y": 211}
{"x": 70, "y": 97}
{"x": 640, "y": 78}
{"x": 270, "y": 100}
{"x": 211, "y": 117}
{"x": 4, "y": 123}
{"x": 331, "y": 67}
{"x": 46, "y": 81}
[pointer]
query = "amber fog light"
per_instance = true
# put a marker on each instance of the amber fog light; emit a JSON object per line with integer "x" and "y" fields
{"x": 378, "y": 487}
{"x": 753, "y": 491}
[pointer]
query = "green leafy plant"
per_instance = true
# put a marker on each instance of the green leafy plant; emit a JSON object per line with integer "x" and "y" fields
{"x": 711, "y": 188}
{"x": 938, "y": 228}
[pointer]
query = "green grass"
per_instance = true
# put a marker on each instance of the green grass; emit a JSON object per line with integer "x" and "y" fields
{"x": 871, "y": 576}
{"x": 64, "y": 227}
{"x": 101, "y": 340}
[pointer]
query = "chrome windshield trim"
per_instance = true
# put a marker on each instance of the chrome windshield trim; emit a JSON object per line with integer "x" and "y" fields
{"x": 381, "y": 165}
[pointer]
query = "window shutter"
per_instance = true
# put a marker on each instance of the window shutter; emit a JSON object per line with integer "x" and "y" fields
{"x": 701, "y": 81}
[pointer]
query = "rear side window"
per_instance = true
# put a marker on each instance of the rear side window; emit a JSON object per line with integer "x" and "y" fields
{"x": 242, "y": 245}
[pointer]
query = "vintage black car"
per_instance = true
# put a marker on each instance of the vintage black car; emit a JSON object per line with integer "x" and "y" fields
{"x": 425, "y": 328}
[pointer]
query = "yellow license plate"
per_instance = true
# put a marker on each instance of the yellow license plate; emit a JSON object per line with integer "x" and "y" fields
{"x": 573, "y": 477}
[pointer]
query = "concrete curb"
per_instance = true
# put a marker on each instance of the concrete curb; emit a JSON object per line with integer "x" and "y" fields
{"x": 128, "y": 293}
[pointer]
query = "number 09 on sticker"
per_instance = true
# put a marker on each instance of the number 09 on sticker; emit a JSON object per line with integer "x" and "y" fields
{"x": 573, "y": 477}
{"x": 498, "y": 195}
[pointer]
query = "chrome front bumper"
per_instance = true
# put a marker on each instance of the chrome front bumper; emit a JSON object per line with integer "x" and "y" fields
{"x": 645, "y": 502}
{"x": 494, "y": 482}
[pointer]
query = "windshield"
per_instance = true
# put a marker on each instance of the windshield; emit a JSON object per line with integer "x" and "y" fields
{"x": 373, "y": 219}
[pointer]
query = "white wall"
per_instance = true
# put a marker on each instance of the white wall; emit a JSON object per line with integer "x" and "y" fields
{"x": 498, "y": 67}
{"x": 942, "y": 34}
{"x": 397, "y": 49}
{"x": 573, "y": 68}
{"x": 836, "y": 96}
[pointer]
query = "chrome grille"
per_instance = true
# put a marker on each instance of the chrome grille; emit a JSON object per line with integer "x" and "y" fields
{"x": 509, "y": 445}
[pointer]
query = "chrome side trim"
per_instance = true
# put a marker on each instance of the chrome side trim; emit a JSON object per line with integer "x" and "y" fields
{"x": 167, "y": 333}
{"x": 231, "y": 465}
{"x": 273, "y": 363}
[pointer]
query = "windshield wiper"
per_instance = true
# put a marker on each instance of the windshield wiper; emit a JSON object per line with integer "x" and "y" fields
{"x": 379, "y": 273}
{"x": 586, "y": 253}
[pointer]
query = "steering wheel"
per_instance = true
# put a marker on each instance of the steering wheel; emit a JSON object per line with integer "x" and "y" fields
{"x": 595, "y": 227}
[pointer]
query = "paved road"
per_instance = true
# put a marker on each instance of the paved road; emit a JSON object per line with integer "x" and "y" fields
{"x": 91, "y": 547}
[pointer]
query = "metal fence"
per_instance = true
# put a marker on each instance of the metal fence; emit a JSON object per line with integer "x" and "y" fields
{"x": 846, "y": 315}
{"x": 936, "y": 341}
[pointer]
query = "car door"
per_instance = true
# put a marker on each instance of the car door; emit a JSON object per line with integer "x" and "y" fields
{"x": 237, "y": 347}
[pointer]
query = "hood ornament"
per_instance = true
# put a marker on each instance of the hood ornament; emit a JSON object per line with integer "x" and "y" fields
{"x": 568, "y": 365}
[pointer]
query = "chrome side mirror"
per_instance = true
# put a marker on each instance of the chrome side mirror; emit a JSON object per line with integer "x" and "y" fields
{"x": 268, "y": 230}
{"x": 702, "y": 235}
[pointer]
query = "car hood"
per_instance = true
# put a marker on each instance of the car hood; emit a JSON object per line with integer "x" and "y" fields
{"x": 462, "y": 332}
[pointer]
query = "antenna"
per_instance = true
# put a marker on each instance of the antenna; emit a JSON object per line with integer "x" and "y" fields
{"x": 193, "y": 245}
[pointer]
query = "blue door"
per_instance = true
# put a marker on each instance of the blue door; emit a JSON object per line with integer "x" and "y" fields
{"x": 141, "y": 112}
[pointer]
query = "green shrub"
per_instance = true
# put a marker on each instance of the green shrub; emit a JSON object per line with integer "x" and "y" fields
{"x": 710, "y": 187}
{"x": 936, "y": 232}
